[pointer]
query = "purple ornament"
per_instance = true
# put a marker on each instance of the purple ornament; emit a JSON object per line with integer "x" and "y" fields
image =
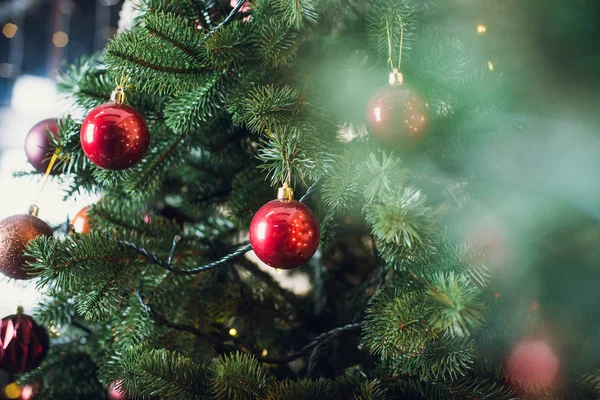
{"x": 38, "y": 146}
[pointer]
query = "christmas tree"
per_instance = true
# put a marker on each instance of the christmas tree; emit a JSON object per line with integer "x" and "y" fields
{"x": 331, "y": 136}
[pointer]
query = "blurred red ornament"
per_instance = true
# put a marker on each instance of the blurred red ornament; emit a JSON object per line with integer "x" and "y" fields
{"x": 114, "y": 135}
{"x": 23, "y": 343}
{"x": 532, "y": 366}
{"x": 81, "y": 222}
{"x": 284, "y": 232}
{"x": 38, "y": 146}
{"x": 15, "y": 233}
{"x": 397, "y": 116}
{"x": 116, "y": 392}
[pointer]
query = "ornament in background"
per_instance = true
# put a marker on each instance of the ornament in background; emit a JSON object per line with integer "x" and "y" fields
{"x": 284, "y": 233}
{"x": 114, "y": 135}
{"x": 23, "y": 343}
{"x": 532, "y": 366}
{"x": 397, "y": 115}
{"x": 81, "y": 222}
{"x": 38, "y": 146}
{"x": 115, "y": 392}
{"x": 15, "y": 232}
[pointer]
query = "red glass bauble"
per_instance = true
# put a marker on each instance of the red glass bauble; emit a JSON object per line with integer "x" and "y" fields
{"x": 532, "y": 366}
{"x": 284, "y": 234}
{"x": 81, "y": 222}
{"x": 15, "y": 232}
{"x": 23, "y": 344}
{"x": 397, "y": 116}
{"x": 38, "y": 146}
{"x": 115, "y": 136}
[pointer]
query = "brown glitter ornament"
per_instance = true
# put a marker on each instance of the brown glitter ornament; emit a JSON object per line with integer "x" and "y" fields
{"x": 15, "y": 232}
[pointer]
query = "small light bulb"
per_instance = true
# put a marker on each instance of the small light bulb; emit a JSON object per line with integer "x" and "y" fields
{"x": 491, "y": 65}
{"x": 60, "y": 39}
{"x": 481, "y": 28}
{"x": 233, "y": 332}
{"x": 10, "y": 30}
{"x": 264, "y": 352}
{"x": 12, "y": 390}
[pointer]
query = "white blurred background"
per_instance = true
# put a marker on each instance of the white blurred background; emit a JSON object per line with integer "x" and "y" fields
{"x": 33, "y": 99}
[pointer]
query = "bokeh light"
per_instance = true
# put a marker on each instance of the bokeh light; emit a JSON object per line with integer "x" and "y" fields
{"x": 532, "y": 366}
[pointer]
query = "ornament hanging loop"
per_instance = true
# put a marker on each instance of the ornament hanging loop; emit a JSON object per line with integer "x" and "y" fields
{"x": 118, "y": 95}
{"x": 395, "y": 69}
{"x": 34, "y": 209}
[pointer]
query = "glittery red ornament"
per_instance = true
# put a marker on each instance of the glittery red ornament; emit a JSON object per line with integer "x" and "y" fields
{"x": 38, "y": 146}
{"x": 532, "y": 366}
{"x": 115, "y": 135}
{"x": 397, "y": 116}
{"x": 284, "y": 233}
{"x": 23, "y": 343}
{"x": 15, "y": 232}
{"x": 81, "y": 222}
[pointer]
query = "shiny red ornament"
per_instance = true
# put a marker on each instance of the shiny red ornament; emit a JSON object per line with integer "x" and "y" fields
{"x": 38, "y": 146}
{"x": 81, "y": 222}
{"x": 15, "y": 232}
{"x": 23, "y": 343}
{"x": 532, "y": 366}
{"x": 284, "y": 233}
{"x": 115, "y": 136}
{"x": 397, "y": 116}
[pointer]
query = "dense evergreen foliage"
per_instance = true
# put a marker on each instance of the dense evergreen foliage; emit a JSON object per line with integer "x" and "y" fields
{"x": 402, "y": 304}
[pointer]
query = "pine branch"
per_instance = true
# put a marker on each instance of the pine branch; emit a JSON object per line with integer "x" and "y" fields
{"x": 295, "y": 12}
{"x": 188, "y": 111}
{"x": 454, "y": 304}
{"x": 161, "y": 320}
{"x": 239, "y": 376}
{"x": 152, "y": 64}
{"x": 163, "y": 374}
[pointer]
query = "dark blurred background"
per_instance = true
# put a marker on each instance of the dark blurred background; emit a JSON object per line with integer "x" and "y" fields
{"x": 38, "y": 34}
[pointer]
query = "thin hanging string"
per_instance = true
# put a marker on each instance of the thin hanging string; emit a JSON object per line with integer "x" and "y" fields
{"x": 286, "y": 170}
{"x": 401, "y": 43}
{"x": 389, "y": 39}
{"x": 121, "y": 81}
{"x": 47, "y": 174}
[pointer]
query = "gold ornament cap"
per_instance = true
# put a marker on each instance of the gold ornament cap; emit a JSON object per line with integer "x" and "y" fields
{"x": 118, "y": 95}
{"x": 396, "y": 77}
{"x": 34, "y": 210}
{"x": 20, "y": 310}
{"x": 285, "y": 192}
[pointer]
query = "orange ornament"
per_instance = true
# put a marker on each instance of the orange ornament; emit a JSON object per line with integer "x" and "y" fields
{"x": 81, "y": 222}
